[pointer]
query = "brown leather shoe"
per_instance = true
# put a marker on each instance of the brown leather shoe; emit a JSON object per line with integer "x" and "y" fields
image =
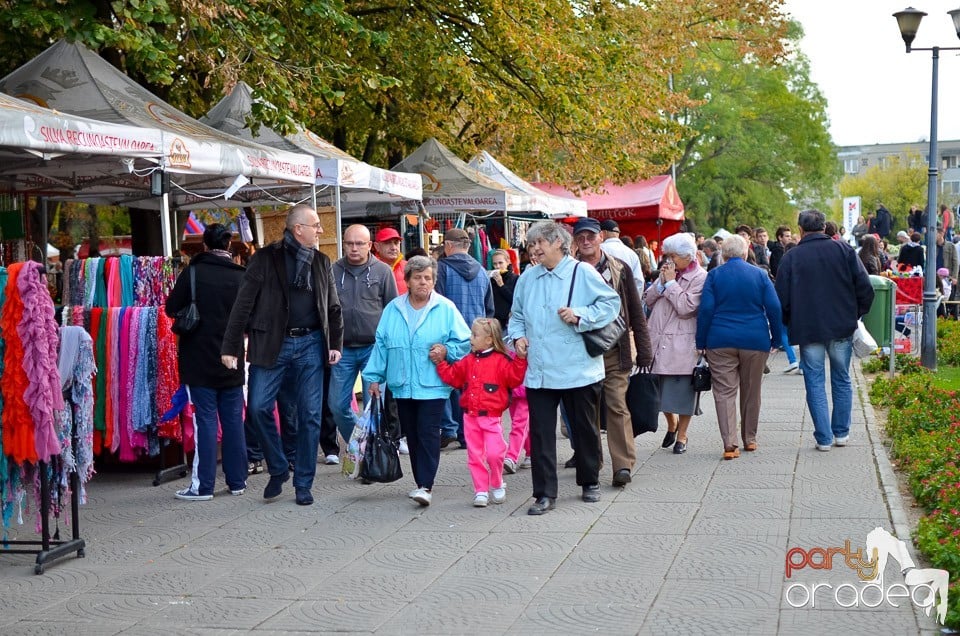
{"x": 752, "y": 446}
{"x": 732, "y": 453}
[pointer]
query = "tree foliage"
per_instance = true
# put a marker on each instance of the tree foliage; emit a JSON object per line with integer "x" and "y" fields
{"x": 757, "y": 143}
{"x": 898, "y": 185}
{"x": 575, "y": 91}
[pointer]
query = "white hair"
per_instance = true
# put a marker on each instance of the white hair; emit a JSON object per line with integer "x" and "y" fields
{"x": 734, "y": 247}
{"x": 681, "y": 244}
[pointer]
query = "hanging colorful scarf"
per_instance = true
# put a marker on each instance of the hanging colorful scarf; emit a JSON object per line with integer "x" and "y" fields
{"x": 38, "y": 331}
{"x": 18, "y": 441}
{"x": 97, "y": 329}
{"x": 168, "y": 378}
{"x": 126, "y": 280}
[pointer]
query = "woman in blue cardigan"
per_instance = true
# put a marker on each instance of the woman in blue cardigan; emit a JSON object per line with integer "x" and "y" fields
{"x": 739, "y": 323}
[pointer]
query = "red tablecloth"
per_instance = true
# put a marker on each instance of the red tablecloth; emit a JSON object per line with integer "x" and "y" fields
{"x": 909, "y": 290}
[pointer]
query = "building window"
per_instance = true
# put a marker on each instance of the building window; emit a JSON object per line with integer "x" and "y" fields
{"x": 950, "y": 187}
{"x": 851, "y": 166}
{"x": 949, "y": 161}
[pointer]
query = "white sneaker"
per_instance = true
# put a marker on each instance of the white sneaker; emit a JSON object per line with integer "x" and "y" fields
{"x": 423, "y": 497}
{"x": 190, "y": 495}
{"x": 331, "y": 459}
{"x": 404, "y": 449}
{"x": 413, "y": 493}
{"x": 238, "y": 492}
{"x": 841, "y": 441}
{"x": 526, "y": 463}
{"x": 480, "y": 500}
{"x": 499, "y": 495}
{"x": 825, "y": 448}
{"x": 509, "y": 466}
{"x": 793, "y": 366}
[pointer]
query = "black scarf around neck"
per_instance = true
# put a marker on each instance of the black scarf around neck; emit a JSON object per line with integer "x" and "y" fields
{"x": 304, "y": 257}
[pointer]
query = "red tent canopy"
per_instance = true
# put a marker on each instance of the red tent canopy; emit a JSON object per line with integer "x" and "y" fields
{"x": 651, "y": 208}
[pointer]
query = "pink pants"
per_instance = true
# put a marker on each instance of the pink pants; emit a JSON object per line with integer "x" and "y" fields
{"x": 519, "y": 424}
{"x": 484, "y": 435}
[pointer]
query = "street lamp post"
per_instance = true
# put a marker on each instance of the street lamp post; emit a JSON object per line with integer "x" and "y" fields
{"x": 908, "y": 21}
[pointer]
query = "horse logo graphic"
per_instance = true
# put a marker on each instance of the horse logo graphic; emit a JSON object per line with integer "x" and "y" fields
{"x": 931, "y": 583}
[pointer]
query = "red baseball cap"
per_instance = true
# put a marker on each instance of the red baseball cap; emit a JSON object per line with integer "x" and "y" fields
{"x": 387, "y": 234}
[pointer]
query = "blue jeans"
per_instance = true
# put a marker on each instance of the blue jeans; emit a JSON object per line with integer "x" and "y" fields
{"x": 303, "y": 357}
{"x": 812, "y": 359}
{"x": 227, "y": 405}
{"x": 343, "y": 377}
{"x": 785, "y": 341}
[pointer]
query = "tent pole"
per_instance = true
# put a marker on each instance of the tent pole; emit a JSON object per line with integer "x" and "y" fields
{"x": 45, "y": 237}
{"x": 313, "y": 196}
{"x": 336, "y": 203}
{"x": 165, "y": 223}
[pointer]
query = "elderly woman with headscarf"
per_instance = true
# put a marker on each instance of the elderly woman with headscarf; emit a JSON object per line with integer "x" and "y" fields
{"x": 411, "y": 324}
{"x": 674, "y": 299}
{"x": 738, "y": 324}
{"x": 553, "y": 304}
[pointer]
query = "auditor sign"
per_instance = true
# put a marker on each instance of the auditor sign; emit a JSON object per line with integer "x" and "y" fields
{"x": 926, "y": 588}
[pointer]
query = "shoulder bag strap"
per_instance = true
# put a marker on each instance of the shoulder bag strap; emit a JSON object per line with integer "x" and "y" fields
{"x": 193, "y": 286}
{"x": 572, "y": 280}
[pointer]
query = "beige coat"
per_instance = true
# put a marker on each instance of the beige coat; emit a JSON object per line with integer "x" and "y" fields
{"x": 673, "y": 322}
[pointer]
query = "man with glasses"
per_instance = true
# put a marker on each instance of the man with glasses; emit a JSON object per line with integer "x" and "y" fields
{"x": 462, "y": 280}
{"x": 289, "y": 307}
{"x": 365, "y": 285}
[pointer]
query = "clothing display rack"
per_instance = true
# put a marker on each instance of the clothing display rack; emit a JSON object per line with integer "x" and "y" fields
{"x": 52, "y": 548}
{"x": 176, "y": 471}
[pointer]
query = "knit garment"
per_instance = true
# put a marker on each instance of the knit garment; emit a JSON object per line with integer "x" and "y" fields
{"x": 304, "y": 257}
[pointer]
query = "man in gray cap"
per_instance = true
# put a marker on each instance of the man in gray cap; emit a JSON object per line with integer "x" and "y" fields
{"x": 613, "y": 246}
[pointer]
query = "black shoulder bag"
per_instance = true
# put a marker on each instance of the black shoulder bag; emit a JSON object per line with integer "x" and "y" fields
{"x": 187, "y": 319}
{"x": 599, "y": 341}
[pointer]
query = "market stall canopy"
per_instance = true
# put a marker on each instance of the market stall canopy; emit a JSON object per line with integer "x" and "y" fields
{"x": 450, "y": 185}
{"x": 651, "y": 208}
{"x": 550, "y": 205}
{"x": 45, "y": 152}
{"x": 72, "y": 79}
{"x": 332, "y": 166}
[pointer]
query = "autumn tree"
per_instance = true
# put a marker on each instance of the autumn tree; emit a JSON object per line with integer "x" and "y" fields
{"x": 757, "y": 144}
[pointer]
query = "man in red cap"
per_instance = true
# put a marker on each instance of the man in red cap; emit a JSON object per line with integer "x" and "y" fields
{"x": 387, "y": 246}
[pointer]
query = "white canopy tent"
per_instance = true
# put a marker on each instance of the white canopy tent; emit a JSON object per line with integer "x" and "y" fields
{"x": 550, "y": 205}
{"x": 362, "y": 183}
{"x": 73, "y": 79}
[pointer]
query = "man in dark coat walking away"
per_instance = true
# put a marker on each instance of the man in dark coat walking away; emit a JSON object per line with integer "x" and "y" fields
{"x": 823, "y": 291}
{"x": 882, "y": 222}
{"x": 216, "y": 391}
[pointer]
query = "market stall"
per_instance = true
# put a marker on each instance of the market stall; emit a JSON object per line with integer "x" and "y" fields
{"x": 651, "y": 208}
{"x": 540, "y": 202}
{"x": 355, "y": 184}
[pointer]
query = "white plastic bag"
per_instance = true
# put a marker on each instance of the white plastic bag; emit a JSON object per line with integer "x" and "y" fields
{"x": 863, "y": 342}
{"x": 357, "y": 443}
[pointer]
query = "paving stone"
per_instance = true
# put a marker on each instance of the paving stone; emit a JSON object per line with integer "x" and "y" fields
{"x": 623, "y": 517}
{"x": 723, "y": 557}
{"x": 58, "y": 628}
{"x": 709, "y": 622}
{"x": 365, "y": 614}
{"x": 801, "y": 622}
{"x": 600, "y": 616}
{"x": 219, "y": 613}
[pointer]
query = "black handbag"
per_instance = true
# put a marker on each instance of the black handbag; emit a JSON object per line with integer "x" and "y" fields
{"x": 599, "y": 341}
{"x": 381, "y": 455}
{"x": 643, "y": 402}
{"x": 701, "y": 375}
{"x": 187, "y": 319}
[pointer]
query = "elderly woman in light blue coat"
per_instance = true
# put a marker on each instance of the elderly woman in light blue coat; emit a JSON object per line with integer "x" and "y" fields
{"x": 410, "y": 326}
{"x": 547, "y": 327}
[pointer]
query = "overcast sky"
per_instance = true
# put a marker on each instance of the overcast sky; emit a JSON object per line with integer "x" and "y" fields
{"x": 876, "y": 92}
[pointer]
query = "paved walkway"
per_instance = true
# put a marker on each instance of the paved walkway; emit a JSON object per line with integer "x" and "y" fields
{"x": 695, "y": 545}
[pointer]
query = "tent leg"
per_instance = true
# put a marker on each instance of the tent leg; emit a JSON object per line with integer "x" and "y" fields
{"x": 336, "y": 205}
{"x": 165, "y": 224}
{"x": 45, "y": 236}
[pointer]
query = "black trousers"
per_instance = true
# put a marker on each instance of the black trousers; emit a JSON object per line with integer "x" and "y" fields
{"x": 581, "y": 404}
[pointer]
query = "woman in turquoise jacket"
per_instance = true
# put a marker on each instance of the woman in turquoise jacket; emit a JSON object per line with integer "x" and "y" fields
{"x": 410, "y": 325}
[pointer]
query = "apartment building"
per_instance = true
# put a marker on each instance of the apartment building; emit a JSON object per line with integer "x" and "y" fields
{"x": 857, "y": 159}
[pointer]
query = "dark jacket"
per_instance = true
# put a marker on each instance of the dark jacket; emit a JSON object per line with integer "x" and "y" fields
{"x": 364, "y": 290}
{"x": 198, "y": 353}
{"x": 911, "y": 254}
{"x": 631, "y": 308}
{"x": 776, "y": 253}
{"x": 503, "y": 297}
{"x": 823, "y": 290}
{"x": 881, "y": 223}
{"x": 739, "y": 309}
{"x": 262, "y": 307}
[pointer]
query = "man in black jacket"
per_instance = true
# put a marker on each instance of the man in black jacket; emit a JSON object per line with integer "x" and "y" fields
{"x": 214, "y": 390}
{"x": 288, "y": 306}
{"x": 824, "y": 290}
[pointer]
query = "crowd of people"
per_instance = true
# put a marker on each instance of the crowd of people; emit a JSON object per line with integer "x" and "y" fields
{"x": 447, "y": 347}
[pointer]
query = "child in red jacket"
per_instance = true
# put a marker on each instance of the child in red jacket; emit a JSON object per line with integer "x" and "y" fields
{"x": 486, "y": 376}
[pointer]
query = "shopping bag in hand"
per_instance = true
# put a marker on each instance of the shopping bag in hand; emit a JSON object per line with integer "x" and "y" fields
{"x": 358, "y": 440}
{"x": 381, "y": 455}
